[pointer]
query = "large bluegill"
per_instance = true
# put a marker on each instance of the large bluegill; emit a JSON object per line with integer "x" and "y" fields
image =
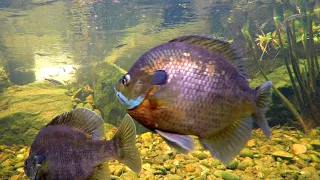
{"x": 195, "y": 85}
{"x": 73, "y": 146}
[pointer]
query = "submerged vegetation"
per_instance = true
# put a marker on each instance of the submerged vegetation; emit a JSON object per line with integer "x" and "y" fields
{"x": 295, "y": 30}
{"x": 86, "y": 36}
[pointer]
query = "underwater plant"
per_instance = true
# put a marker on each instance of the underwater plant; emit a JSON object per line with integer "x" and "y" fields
{"x": 263, "y": 41}
{"x": 304, "y": 77}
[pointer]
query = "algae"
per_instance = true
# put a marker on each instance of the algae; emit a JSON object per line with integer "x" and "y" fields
{"x": 28, "y": 109}
{"x": 106, "y": 76}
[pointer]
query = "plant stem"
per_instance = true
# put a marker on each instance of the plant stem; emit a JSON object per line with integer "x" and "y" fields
{"x": 294, "y": 86}
{"x": 284, "y": 99}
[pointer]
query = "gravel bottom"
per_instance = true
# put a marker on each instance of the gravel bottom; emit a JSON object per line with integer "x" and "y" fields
{"x": 289, "y": 154}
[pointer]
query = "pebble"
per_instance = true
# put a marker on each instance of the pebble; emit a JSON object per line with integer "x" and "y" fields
{"x": 299, "y": 149}
{"x": 260, "y": 159}
{"x": 80, "y": 105}
{"x": 246, "y": 152}
{"x": 98, "y": 112}
{"x": 282, "y": 154}
{"x": 230, "y": 176}
{"x": 88, "y": 106}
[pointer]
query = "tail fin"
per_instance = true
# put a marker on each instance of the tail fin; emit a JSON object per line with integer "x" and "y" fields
{"x": 128, "y": 153}
{"x": 263, "y": 92}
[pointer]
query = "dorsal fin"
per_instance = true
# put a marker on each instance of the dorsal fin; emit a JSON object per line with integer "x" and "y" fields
{"x": 82, "y": 119}
{"x": 217, "y": 45}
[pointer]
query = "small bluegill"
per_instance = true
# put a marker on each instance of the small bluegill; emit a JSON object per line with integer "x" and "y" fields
{"x": 195, "y": 85}
{"x": 73, "y": 146}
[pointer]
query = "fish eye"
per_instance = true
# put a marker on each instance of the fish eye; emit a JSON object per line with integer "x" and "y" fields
{"x": 125, "y": 79}
{"x": 26, "y": 163}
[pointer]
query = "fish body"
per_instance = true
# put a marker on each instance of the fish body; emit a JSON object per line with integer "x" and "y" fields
{"x": 121, "y": 45}
{"x": 72, "y": 146}
{"x": 53, "y": 81}
{"x": 195, "y": 85}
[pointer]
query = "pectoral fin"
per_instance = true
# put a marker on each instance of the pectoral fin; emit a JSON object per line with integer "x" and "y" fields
{"x": 182, "y": 143}
{"x": 101, "y": 172}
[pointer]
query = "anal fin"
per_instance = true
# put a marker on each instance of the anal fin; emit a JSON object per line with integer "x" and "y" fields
{"x": 226, "y": 147}
{"x": 182, "y": 143}
{"x": 101, "y": 172}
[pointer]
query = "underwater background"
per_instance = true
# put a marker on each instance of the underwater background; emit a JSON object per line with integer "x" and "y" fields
{"x": 57, "y": 55}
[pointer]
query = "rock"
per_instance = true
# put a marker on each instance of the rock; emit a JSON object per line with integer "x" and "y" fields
{"x": 189, "y": 168}
{"x": 282, "y": 154}
{"x": 215, "y": 162}
{"x": 23, "y": 150}
{"x": 305, "y": 157}
{"x": 80, "y": 105}
{"x": 78, "y": 94}
{"x": 314, "y": 158}
{"x": 119, "y": 170}
{"x": 4, "y": 80}
{"x": 245, "y": 152}
{"x": 221, "y": 167}
{"x": 30, "y": 108}
{"x": 87, "y": 90}
{"x": 251, "y": 143}
{"x": 315, "y": 144}
{"x": 105, "y": 77}
{"x": 289, "y": 174}
{"x": 247, "y": 162}
{"x": 6, "y": 162}
{"x": 163, "y": 170}
{"x": 77, "y": 100}
{"x": 147, "y": 137}
{"x": 159, "y": 172}
{"x": 115, "y": 177}
{"x": 15, "y": 177}
{"x": 299, "y": 149}
{"x": 89, "y": 99}
{"x": 293, "y": 167}
{"x": 19, "y": 164}
{"x": 201, "y": 155}
{"x": 230, "y": 176}
{"x": 98, "y": 112}
{"x": 129, "y": 175}
{"x": 88, "y": 106}
{"x": 19, "y": 157}
{"x": 233, "y": 164}
{"x": 165, "y": 157}
{"x": 174, "y": 177}
{"x": 218, "y": 173}
{"x": 309, "y": 173}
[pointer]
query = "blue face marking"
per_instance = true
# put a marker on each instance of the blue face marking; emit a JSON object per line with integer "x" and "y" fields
{"x": 129, "y": 103}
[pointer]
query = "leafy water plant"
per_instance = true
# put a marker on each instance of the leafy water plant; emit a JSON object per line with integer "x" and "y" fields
{"x": 305, "y": 77}
{"x": 263, "y": 41}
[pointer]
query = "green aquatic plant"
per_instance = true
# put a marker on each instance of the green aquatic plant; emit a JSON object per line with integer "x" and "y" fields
{"x": 304, "y": 76}
{"x": 263, "y": 41}
{"x": 246, "y": 34}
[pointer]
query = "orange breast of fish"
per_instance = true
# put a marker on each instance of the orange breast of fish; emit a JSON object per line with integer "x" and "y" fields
{"x": 145, "y": 112}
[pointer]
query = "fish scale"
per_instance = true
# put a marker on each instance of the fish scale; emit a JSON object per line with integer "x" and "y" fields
{"x": 163, "y": 56}
{"x": 195, "y": 85}
{"x": 72, "y": 146}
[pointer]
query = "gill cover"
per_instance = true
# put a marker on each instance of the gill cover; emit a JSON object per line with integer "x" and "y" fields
{"x": 32, "y": 165}
{"x": 132, "y": 91}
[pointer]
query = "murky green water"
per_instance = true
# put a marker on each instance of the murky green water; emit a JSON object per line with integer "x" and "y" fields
{"x": 58, "y": 55}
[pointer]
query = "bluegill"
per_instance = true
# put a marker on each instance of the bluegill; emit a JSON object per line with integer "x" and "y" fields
{"x": 73, "y": 146}
{"x": 195, "y": 85}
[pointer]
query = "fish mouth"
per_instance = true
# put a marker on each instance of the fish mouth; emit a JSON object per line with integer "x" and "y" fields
{"x": 118, "y": 95}
{"x": 129, "y": 103}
